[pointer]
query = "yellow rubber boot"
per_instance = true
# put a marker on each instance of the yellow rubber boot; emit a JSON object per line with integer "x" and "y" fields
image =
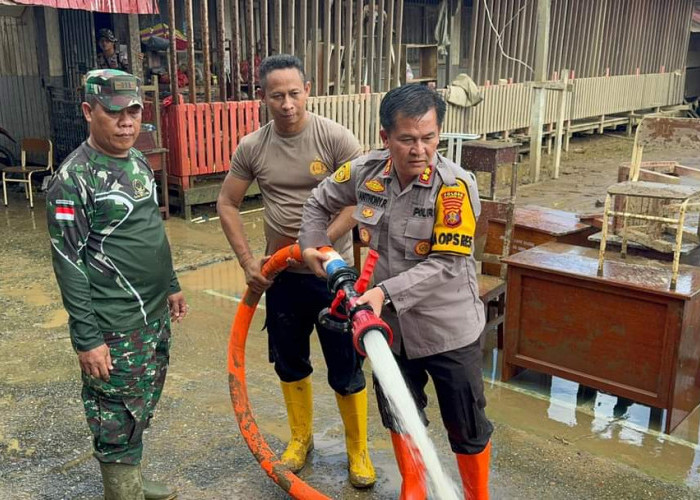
{"x": 353, "y": 410}
{"x": 300, "y": 412}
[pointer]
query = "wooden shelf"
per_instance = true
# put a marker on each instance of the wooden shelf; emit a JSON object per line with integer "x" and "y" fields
{"x": 427, "y": 68}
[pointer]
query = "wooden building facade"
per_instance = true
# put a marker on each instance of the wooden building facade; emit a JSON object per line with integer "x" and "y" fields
{"x": 622, "y": 55}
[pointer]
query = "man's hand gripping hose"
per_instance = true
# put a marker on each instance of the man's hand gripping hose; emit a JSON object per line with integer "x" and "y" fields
{"x": 345, "y": 315}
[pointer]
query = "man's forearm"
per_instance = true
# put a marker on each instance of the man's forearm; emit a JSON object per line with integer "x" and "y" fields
{"x": 232, "y": 225}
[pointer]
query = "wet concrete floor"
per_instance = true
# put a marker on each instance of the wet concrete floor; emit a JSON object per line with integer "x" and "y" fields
{"x": 553, "y": 438}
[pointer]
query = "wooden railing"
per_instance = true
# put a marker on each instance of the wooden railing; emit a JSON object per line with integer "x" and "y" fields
{"x": 359, "y": 113}
{"x": 622, "y": 94}
{"x": 202, "y": 137}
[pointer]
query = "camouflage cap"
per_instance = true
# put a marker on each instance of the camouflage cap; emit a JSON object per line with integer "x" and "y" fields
{"x": 114, "y": 89}
{"x": 106, "y": 33}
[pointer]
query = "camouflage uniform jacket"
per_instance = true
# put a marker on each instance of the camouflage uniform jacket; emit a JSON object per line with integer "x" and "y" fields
{"x": 115, "y": 61}
{"x": 424, "y": 236}
{"x": 110, "y": 252}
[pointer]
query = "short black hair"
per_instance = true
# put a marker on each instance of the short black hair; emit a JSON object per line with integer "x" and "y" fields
{"x": 279, "y": 61}
{"x": 412, "y": 100}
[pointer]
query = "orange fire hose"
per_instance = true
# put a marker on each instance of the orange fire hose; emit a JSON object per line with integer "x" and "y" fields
{"x": 274, "y": 468}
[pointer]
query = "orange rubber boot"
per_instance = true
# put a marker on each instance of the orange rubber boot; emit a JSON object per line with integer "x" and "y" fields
{"x": 474, "y": 470}
{"x": 411, "y": 468}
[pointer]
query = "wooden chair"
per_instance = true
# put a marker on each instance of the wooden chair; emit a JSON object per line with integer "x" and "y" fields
{"x": 651, "y": 209}
{"x": 29, "y": 145}
{"x": 492, "y": 289}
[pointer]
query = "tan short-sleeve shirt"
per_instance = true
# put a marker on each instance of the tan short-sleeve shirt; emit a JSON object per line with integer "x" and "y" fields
{"x": 288, "y": 168}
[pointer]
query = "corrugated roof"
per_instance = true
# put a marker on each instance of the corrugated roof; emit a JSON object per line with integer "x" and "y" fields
{"x": 111, "y": 6}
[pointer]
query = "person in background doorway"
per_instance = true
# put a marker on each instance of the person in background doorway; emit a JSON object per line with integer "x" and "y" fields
{"x": 109, "y": 56}
{"x": 418, "y": 210}
{"x": 113, "y": 265}
{"x": 289, "y": 157}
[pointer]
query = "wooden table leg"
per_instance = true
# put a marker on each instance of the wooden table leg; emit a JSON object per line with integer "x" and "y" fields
{"x": 508, "y": 371}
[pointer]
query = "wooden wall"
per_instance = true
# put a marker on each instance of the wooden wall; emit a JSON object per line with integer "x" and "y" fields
{"x": 592, "y": 37}
{"x": 343, "y": 51}
{"x": 23, "y": 104}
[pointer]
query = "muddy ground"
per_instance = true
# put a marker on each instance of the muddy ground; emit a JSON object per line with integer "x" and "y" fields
{"x": 544, "y": 446}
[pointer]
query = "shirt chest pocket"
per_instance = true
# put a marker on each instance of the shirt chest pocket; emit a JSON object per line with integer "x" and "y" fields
{"x": 369, "y": 222}
{"x": 417, "y": 238}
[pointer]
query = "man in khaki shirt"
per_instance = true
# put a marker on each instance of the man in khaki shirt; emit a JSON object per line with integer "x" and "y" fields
{"x": 419, "y": 211}
{"x": 289, "y": 157}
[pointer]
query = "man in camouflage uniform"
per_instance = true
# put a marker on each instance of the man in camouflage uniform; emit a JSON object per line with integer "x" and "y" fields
{"x": 113, "y": 264}
{"x": 109, "y": 57}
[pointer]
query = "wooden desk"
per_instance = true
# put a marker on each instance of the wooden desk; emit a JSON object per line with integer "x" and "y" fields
{"x": 625, "y": 332}
{"x": 535, "y": 225}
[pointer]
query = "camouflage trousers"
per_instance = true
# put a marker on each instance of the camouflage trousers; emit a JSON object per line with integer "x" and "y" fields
{"x": 120, "y": 410}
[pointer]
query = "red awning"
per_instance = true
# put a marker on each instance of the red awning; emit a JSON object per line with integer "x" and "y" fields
{"x": 112, "y": 6}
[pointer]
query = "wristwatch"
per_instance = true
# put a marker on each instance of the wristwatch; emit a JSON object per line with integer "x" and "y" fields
{"x": 387, "y": 299}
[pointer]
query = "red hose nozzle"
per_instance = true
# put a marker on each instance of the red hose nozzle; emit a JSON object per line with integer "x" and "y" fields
{"x": 364, "y": 321}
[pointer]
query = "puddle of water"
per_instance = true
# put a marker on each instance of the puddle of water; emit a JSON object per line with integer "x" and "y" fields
{"x": 594, "y": 421}
{"x": 225, "y": 277}
{"x": 550, "y": 407}
{"x": 19, "y": 217}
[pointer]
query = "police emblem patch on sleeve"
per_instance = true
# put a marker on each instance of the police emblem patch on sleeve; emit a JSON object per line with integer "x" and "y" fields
{"x": 342, "y": 174}
{"x": 455, "y": 222}
{"x": 452, "y": 207}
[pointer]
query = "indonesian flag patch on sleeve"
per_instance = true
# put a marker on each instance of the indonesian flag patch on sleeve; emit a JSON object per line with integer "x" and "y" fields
{"x": 65, "y": 210}
{"x": 455, "y": 223}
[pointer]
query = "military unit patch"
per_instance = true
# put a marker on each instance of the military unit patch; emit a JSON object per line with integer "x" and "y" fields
{"x": 425, "y": 177}
{"x": 342, "y": 174}
{"x": 375, "y": 185}
{"x": 140, "y": 190}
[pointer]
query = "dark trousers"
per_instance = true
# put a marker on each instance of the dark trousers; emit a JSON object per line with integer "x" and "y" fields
{"x": 293, "y": 303}
{"x": 459, "y": 387}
